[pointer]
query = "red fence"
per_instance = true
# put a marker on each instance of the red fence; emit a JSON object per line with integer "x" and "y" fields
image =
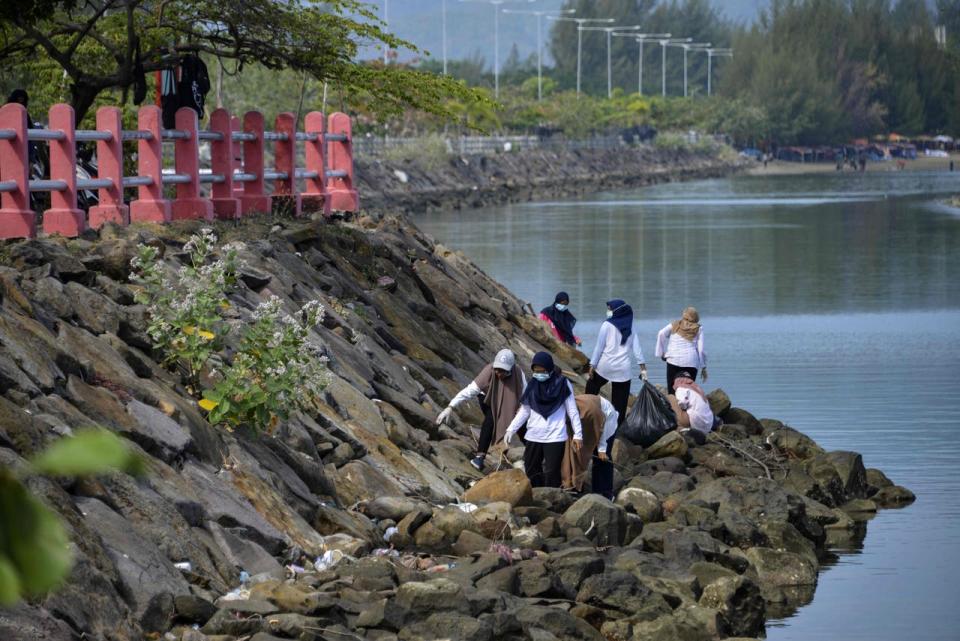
{"x": 237, "y": 174}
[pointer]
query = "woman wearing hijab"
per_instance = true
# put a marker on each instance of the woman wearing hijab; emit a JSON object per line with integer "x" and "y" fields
{"x": 546, "y": 404}
{"x": 498, "y": 387}
{"x": 680, "y": 344}
{"x": 617, "y": 344}
{"x": 599, "y": 422}
{"x": 560, "y": 320}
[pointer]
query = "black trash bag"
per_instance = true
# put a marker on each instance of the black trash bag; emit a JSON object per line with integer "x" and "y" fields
{"x": 650, "y": 417}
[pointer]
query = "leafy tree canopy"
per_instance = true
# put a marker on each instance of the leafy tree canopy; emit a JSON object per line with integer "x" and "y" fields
{"x": 94, "y": 46}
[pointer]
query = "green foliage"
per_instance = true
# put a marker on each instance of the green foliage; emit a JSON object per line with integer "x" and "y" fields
{"x": 275, "y": 369}
{"x": 86, "y": 49}
{"x": 35, "y": 554}
{"x": 186, "y": 308}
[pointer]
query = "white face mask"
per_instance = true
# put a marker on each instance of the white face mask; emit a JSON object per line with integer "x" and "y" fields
{"x": 561, "y": 307}
{"x": 541, "y": 376}
{"x": 609, "y": 313}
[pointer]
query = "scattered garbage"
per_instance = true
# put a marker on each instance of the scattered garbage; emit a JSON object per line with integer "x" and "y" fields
{"x": 388, "y": 552}
{"x": 244, "y": 577}
{"x": 441, "y": 567}
{"x": 390, "y": 533}
{"x": 295, "y": 569}
{"x": 329, "y": 559}
{"x": 184, "y": 566}
{"x": 236, "y": 594}
{"x": 465, "y": 507}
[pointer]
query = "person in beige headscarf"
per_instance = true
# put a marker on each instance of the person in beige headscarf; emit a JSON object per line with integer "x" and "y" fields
{"x": 680, "y": 345}
{"x": 598, "y": 419}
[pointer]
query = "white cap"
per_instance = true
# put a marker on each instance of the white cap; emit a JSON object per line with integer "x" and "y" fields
{"x": 504, "y": 360}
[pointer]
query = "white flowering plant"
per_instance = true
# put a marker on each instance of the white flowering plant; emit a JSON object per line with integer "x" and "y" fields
{"x": 185, "y": 308}
{"x": 275, "y": 370}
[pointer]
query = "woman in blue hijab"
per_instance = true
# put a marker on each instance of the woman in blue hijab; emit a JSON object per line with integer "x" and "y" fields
{"x": 546, "y": 405}
{"x": 617, "y": 346}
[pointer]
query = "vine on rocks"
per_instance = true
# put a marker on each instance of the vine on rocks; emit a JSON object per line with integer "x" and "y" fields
{"x": 275, "y": 368}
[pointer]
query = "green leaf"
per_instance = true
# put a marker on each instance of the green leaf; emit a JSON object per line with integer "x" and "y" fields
{"x": 88, "y": 451}
{"x": 9, "y": 582}
{"x": 32, "y": 539}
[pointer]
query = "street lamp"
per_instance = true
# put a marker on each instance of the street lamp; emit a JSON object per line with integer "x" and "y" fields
{"x": 609, "y": 31}
{"x": 710, "y": 54}
{"x": 496, "y": 39}
{"x": 580, "y": 22}
{"x": 641, "y": 38}
{"x": 663, "y": 60}
{"x": 443, "y": 34}
{"x": 386, "y": 27}
{"x": 539, "y": 15}
{"x": 696, "y": 46}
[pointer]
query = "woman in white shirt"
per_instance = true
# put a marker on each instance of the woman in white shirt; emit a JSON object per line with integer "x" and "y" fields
{"x": 546, "y": 404}
{"x": 690, "y": 404}
{"x": 680, "y": 344}
{"x": 612, "y": 361}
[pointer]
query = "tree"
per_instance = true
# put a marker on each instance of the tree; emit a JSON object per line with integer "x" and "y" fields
{"x": 103, "y": 45}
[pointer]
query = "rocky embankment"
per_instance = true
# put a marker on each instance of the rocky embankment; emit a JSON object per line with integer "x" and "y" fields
{"x": 221, "y": 538}
{"x": 460, "y": 182}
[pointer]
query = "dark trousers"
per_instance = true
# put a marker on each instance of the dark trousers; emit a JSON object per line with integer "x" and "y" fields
{"x": 601, "y": 479}
{"x": 486, "y": 429}
{"x": 673, "y": 370}
{"x": 542, "y": 461}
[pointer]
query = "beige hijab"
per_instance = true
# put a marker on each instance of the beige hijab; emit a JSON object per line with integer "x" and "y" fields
{"x": 688, "y": 325}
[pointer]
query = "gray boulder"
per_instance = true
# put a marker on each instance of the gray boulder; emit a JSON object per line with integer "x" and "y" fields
{"x": 599, "y": 518}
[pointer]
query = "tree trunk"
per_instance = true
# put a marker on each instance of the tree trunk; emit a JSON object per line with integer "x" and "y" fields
{"x": 82, "y": 97}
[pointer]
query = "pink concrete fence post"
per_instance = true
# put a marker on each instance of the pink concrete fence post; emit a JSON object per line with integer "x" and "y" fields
{"x": 64, "y": 217}
{"x": 315, "y": 195}
{"x": 253, "y": 199}
{"x": 110, "y": 208}
{"x": 285, "y": 161}
{"x": 150, "y": 205}
{"x": 189, "y": 204}
{"x": 17, "y": 220}
{"x": 237, "y": 155}
{"x": 226, "y": 205}
{"x": 343, "y": 197}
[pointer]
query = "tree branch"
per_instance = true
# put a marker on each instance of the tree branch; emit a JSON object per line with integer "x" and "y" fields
{"x": 85, "y": 29}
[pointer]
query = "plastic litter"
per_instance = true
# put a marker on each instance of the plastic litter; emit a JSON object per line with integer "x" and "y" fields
{"x": 236, "y": 594}
{"x": 296, "y": 569}
{"x": 184, "y": 566}
{"x": 442, "y": 567}
{"x": 465, "y": 507}
{"x": 244, "y": 577}
{"x": 329, "y": 559}
{"x": 390, "y": 552}
{"x": 390, "y": 533}
{"x": 649, "y": 419}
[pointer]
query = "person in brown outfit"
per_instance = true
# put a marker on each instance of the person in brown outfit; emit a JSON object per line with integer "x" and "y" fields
{"x": 599, "y": 420}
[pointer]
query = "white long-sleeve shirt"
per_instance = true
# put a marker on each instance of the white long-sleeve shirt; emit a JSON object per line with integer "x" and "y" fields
{"x": 547, "y": 429}
{"x": 610, "y": 359}
{"x": 679, "y": 351}
{"x": 610, "y": 424}
{"x": 701, "y": 417}
{"x": 473, "y": 390}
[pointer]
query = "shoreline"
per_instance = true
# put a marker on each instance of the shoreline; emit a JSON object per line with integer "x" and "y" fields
{"x": 703, "y": 541}
{"x": 468, "y": 182}
{"x": 784, "y": 168}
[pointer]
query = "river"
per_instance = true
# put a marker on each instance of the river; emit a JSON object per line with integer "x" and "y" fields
{"x": 831, "y": 302}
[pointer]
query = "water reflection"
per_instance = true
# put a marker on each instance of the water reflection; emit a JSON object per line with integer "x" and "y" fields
{"x": 841, "y": 318}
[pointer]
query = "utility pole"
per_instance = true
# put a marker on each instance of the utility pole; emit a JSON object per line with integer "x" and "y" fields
{"x": 710, "y": 54}
{"x": 667, "y": 42}
{"x": 539, "y": 15}
{"x": 641, "y": 38}
{"x": 580, "y": 28}
{"x": 696, "y": 46}
{"x": 496, "y": 40}
{"x": 386, "y": 27}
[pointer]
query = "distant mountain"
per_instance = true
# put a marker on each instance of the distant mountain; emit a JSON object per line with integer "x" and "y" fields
{"x": 470, "y": 25}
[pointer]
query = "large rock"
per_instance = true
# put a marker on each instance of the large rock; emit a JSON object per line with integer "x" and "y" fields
{"x": 158, "y": 433}
{"x": 573, "y": 566}
{"x": 451, "y": 520}
{"x": 738, "y": 599}
{"x": 719, "y": 401}
{"x": 792, "y": 442}
{"x": 777, "y": 569}
{"x": 600, "y": 519}
{"x": 738, "y": 416}
{"x": 392, "y": 507}
{"x": 511, "y": 486}
{"x": 622, "y": 592}
{"x": 663, "y": 484}
{"x": 448, "y": 625}
{"x": 853, "y": 476}
{"x": 641, "y": 502}
{"x": 670, "y": 444}
{"x": 417, "y": 600}
{"x": 243, "y": 553}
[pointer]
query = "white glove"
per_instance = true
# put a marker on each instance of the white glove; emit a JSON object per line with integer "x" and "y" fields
{"x": 444, "y": 415}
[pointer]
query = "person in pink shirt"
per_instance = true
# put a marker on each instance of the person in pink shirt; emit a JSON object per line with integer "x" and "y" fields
{"x": 560, "y": 320}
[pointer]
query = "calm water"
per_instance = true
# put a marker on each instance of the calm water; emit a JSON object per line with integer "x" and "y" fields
{"x": 829, "y": 302}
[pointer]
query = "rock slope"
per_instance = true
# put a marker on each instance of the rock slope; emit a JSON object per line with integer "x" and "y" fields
{"x": 219, "y": 539}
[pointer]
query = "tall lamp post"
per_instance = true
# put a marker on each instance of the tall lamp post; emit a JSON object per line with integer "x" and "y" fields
{"x": 580, "y": 22}
{"x": 539, "y": 15}
{"x": 609, "y": 31}
{"x": 696, "y": 46}
{"x": 386, "y": 26}
{"x": 667, "y": 42}
{"x": 710, "y": 54}
{"x": 641, "y": 38}
{"x": 496, "y": 39}
{"x": 443, "y": 33}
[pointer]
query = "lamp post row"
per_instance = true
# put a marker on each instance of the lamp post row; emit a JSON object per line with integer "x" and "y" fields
{"x": 664, "y": 39}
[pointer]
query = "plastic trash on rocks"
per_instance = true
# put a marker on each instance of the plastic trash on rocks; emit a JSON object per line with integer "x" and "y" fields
{"x": 329, "y": 559}
{"x": 184, "y": 566}
{"x": 465, "y": 507}
{"x": 388, "y": 552}
{"x": 390, "y": 533}
{"x": 649, "y": 418}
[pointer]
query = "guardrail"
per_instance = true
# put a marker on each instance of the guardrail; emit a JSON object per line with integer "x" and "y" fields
{"x": 236, "y": 176}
